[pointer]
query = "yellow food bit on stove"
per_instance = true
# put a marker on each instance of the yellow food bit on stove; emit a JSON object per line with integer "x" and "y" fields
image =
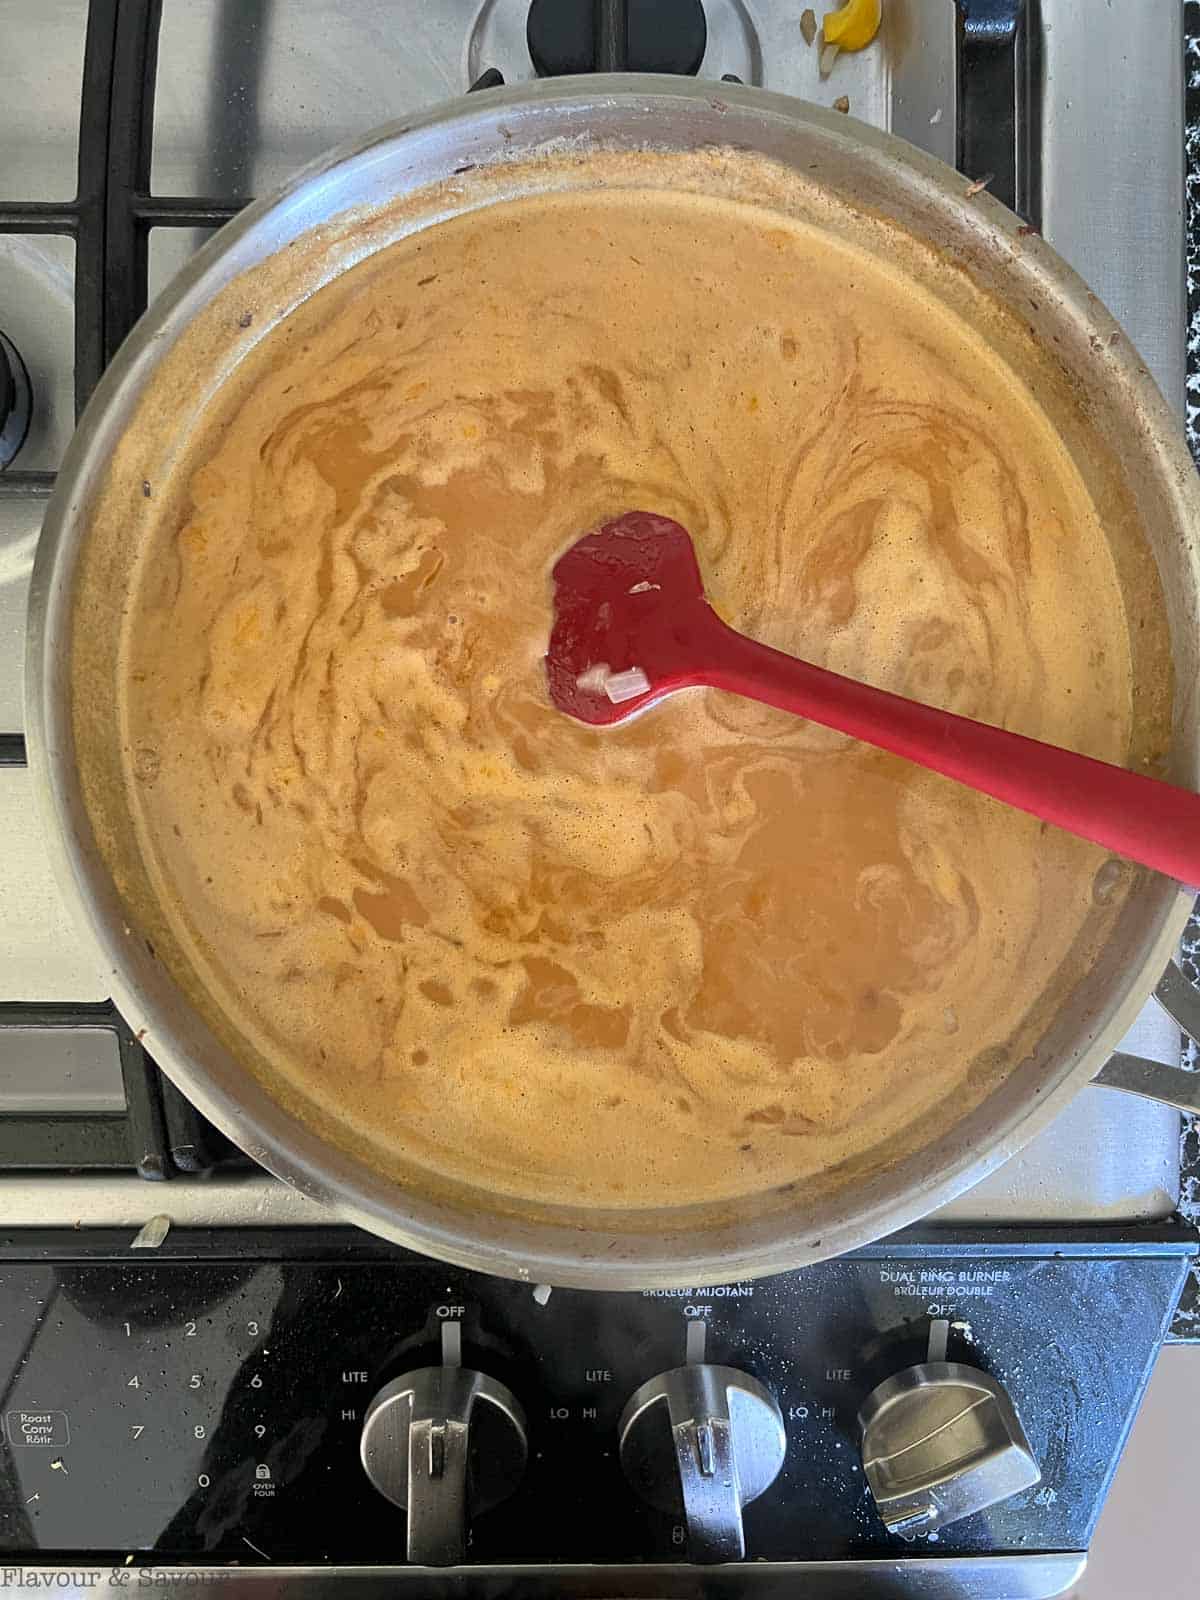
{"x": 854, "y": 25}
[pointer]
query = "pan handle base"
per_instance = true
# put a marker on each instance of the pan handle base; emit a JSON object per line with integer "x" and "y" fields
{"x": 1153, "y": 1080}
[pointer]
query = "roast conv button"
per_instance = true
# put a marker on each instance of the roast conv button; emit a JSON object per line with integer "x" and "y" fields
{"x": 45, "y": 1428}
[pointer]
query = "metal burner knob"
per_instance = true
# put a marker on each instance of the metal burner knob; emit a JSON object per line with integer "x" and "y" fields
{"x": 703, "y": 1441}
{"x": 941, "y": 1441}
{"x": 446, "y": 1443}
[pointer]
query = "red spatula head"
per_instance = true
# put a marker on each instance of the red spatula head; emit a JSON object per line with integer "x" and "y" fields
{"x": 627, "y": 600}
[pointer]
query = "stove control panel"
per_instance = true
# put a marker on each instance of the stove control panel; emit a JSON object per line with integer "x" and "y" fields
{"x": 319, "y": 1398}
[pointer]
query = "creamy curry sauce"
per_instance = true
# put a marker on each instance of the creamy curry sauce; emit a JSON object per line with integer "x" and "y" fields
{"x": 687, "y": 959}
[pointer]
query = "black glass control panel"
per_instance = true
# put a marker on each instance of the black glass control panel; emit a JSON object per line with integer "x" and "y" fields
{"x": 205, "y": 1400}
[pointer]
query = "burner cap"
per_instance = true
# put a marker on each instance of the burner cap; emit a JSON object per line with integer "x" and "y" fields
{"x": 658, "y": 36}
{"x": 15, "y": 401}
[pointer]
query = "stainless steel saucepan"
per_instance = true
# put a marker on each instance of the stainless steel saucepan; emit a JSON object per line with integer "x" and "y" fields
{"x": 1046, "y": 326}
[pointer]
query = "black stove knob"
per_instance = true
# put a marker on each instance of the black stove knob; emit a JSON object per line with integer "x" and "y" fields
{"x": 445, "y": 1443}
{"x": 703, "y": 1441}
{"x": 941, "y": 1441}
{"x": 16, "y": 401}
{"x": 567, "y": 36}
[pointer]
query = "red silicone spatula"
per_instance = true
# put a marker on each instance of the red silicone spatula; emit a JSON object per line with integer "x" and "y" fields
{"x": 632, "y": 625}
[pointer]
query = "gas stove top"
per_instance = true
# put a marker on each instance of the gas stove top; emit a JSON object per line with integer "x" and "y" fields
{"x": 129, "y": 131}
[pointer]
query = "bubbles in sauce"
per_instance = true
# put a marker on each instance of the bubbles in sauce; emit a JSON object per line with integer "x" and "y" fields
{"x": 689, "y": 958}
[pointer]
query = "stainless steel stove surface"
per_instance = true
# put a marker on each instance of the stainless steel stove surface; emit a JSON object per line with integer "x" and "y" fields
{"x": 129, "y": 129}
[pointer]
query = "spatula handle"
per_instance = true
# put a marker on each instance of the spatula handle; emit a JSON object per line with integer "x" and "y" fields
{"x": 1149, "y": 821}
